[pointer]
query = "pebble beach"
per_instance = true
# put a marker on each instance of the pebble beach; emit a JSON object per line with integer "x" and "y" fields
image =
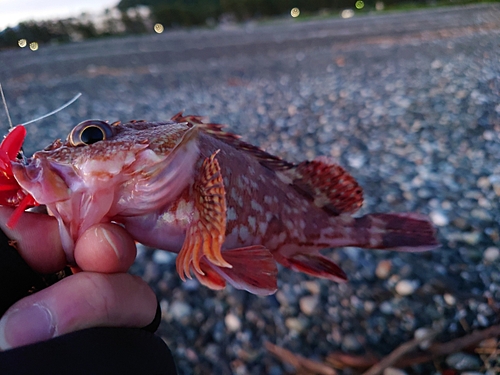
{"x": 408, "y": 103}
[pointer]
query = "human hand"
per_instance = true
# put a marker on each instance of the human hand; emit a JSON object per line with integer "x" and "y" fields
{"x": 101, "y": 295}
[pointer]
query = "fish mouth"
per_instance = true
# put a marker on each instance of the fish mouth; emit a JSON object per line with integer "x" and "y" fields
{"x": 41, "y": 181}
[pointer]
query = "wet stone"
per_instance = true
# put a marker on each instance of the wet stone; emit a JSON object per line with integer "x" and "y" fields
{"x": 180, "y": 310}
{"x": 463, "y": 361}
{"x": 351, "y": 343}
{"x": 406, "y": 287}
{"x": 420, "y": 333}
{"x": 472, "y": 238}
{"x": 308, "y": 304}
{"x": 233, "y": 322}
{"x": 295, "y": 324}
{"x": 439, "y": 218}
{"x": 491, "y": 254}
{"x": 163, "y": 257}
{"x": 383, "y": 269}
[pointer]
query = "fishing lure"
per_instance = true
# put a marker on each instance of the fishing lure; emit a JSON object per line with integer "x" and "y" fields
{"x": 11, "y": 193}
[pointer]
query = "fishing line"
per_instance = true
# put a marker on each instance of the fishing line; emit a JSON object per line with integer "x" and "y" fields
{"x": 5, "y": 106}
{"x": 21, "y": 152}
{"x": 54, "y": 111}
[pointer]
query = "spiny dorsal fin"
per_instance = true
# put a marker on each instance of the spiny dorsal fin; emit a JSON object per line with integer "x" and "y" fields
{"x": 328, "y": 185}
{"x": 216, "y": 130}
{"x": 325, "y": 183}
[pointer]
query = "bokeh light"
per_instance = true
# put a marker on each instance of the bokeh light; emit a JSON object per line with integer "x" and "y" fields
{"x": 33, "y": 46}
{"x": 347, "y": 13}
{"x": 359, "y": 4}
{"x": 295, "y": 12}
{"x": 22, "y": 43}
{"x": 159, "y": 28}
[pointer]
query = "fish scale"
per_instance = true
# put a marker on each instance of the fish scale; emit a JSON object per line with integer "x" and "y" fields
{"x": 229, "y": 209}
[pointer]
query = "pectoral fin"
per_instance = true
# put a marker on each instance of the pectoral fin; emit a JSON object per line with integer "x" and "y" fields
{"x": 206, "y": 233}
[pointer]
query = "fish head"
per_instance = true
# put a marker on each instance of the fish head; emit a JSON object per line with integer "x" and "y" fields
{"x": 102, "y": 171}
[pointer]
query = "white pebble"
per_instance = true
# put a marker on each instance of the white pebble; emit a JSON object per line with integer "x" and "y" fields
{"x": 439, "y": 218}
{"x": 406, "y": 287}
{"x": 383, "y": 269}
{"x": 472, "y": 238}
{"x": 233, "y": 323}
{"x": 422, "y": 332}
{"x": 180, "y": 310}
{"x": 449, "y": 299}
{"x": 491, "y": 254}
{"x": 294, "y": 324}
{"x": 163, "y": 257}
{"x": 308, "y": 304}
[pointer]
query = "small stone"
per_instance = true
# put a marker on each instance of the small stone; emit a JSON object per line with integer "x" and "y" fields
{"x": 481, "y": 214}
{"x": 436, "y": 64}
{"x": 491, "y": 254}
{"x": 351, "y": 343}
{"x": 449, "y": 299}
{"x": 356, "y": 161}
{"x": 383, "y": 269}
{"x": 369, "y": 306}
{"x": 311, "y": 286}
{"x": 282, "y": 298}
{"x": 495, "y": 181}
{"x": 386, "y": 307}
{"x": 308, "y": 304}
{"x": 233, "y": 323}
{"x": 472, "y": 238}
{"x": 180, "y": 310}
{"x": 163, "y": 257}
{"x": 295, "y": 324}
{"x": 463, "y": 361}
{"x": 439, "y": 218}
{"x": 421, "y": 332}
{"x": 394, "y": 371}
{"x": 482, "y": 320}
{"x": 406, "y": 287}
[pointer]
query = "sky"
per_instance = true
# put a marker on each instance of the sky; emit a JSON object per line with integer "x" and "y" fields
{"x": 14, "y": 11}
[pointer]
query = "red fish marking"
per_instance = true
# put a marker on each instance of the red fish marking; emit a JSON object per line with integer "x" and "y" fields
{"x": 230, "y": 209}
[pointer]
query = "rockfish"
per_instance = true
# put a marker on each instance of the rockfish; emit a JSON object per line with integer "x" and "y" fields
{"x": 229, "y": 209}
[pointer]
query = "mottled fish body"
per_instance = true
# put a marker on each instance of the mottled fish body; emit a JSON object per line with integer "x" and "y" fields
{"x": 228, "y": 208}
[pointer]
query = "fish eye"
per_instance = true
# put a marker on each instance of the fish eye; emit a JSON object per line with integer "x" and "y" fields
{"x": 89, "y": 132}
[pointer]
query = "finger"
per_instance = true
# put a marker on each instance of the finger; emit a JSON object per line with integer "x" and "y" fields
{"x": 37, "y": 239}
{"x": 79, "y": 301}
{"x": 105, "y": 248}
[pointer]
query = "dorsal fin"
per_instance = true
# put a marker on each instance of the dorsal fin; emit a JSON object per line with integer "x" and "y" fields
{"x": 322, "y": 181}
{"x": 216, "y": 130}
{"x": 327, "y": 184}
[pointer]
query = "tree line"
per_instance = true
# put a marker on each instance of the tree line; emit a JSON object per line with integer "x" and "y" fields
{"x": 139, "y": 16}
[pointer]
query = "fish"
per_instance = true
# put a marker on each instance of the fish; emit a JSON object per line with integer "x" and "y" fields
{"x": 231, "y": 210}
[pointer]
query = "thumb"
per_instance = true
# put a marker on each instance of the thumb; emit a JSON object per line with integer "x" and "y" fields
{"x": 83, "y": 300}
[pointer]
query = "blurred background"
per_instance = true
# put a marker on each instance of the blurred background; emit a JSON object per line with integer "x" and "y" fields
{"x": 406, "y": 96}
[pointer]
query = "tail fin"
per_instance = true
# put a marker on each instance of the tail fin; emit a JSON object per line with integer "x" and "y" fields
{"x": 399, "y": 232}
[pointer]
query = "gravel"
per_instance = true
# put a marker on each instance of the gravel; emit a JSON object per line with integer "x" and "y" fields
{"x": 408, "y": 103}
